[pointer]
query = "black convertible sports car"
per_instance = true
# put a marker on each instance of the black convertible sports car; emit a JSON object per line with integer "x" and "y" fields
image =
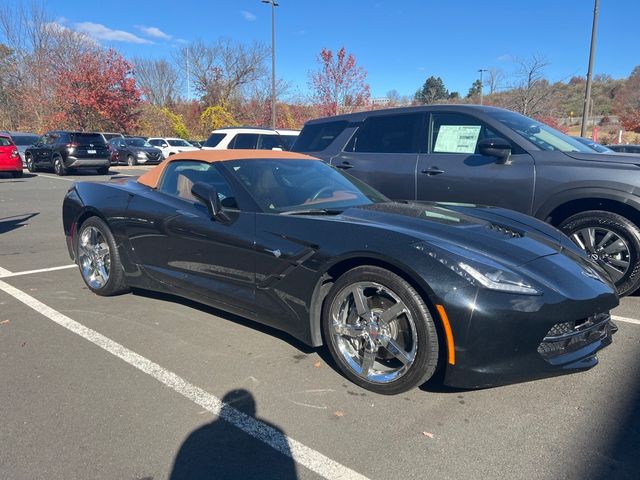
{"x": 396, "y": 290}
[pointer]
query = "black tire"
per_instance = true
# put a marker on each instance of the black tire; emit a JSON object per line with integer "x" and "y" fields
{"x": 131, "y": 161}
{"x": 58, "y": 166}
{"x": 103, "y": 170}
{"x": 31, "y": 166}
{"x": 423, "y": 335}
{"x": 17, "y": 174}
{"x": 628, "y": 281}
{"x": 116, "y": 283}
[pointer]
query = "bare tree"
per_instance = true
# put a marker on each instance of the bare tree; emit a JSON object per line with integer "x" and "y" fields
{"x": 494, "y": 79}
{"x": 223, "y": 69}
{"x": 158, "y": 80}
{"x": 532, "y": 89}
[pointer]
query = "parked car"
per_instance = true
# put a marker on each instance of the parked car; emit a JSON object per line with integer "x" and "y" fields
{"x": 22, "y": 140}
{"x": 134, "y": 151}
{"x": 171, "y": 146}
{"x": 248, "y": 138}
{"x": 624, "y": 148}
{"x": 288, "y": 241}
{"x": 195, "y": 143}
{"x": 593, "y": 145}
{"x": 492, "y": 156}
{"x": 65, "y": 151}
{"x": 9, "y": 157}
{"x": 288, "y": 137}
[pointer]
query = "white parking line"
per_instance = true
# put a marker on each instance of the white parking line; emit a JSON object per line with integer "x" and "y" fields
{"x": 625, "y": 319}
{"x": 56, "y": 177}
{"x": 6, "y": 273}
{"x": 305, "y": 456}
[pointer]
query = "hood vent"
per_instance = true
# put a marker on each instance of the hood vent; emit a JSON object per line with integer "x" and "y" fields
{"x": 508, "y": 231}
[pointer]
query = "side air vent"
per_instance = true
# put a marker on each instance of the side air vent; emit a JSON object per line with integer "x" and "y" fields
{"x": 510, "y": 232}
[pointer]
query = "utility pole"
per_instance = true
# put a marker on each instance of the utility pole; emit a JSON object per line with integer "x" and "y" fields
{"x": 274, "y": 4}
{"x": 188, "y": 78}
{"x": 481, "y": 84}
{"x": 587, "y": 93}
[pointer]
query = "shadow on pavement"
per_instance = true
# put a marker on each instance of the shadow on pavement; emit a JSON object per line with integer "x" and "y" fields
{"x": 16, "y": 221}
{"x": 219, "y": 450}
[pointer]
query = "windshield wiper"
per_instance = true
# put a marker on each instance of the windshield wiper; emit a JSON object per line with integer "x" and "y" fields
{"x": 313, "y": 211}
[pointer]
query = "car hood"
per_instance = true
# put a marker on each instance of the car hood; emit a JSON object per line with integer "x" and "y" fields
{"x": 625, "y": 158}
{"x": 500, "y": 234}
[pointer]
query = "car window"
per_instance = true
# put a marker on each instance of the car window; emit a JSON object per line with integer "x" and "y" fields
{"x": 51, "y": 139}
{"x": 288, "y": 141}
{"x": 179, "y": 143}
{"x": 318, "y": 136}
{"x": 389, "y": 134}
{"x": 245, "y": 140}
{"x": 458, "y": 133}
{"x": 87, "y": 138}
{"x": 179, "y": 177}
{"x": 269, "y": 142}
{"x": 284, "y": 185}
{"x": 5, "y": 142}
{"x": 214, "y": 139}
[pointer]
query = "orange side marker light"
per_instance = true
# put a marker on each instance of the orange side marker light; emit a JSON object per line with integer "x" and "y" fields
{"x": 449, "y": 334}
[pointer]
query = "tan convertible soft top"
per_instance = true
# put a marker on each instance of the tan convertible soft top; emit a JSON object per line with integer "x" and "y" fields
{"x": 152, "y": 177}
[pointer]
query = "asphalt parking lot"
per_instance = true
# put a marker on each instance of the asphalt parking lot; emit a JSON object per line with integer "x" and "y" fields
{"x": 144, "y": 386}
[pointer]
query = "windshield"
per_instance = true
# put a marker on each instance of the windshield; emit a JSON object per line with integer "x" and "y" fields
{"x": 174, "y": 142}
{"x": 593, "y": 145}
{"x": 23, "y": 140}
{"x": 281, "y": 186}
{"x": 137, "y": 142}
{"x": 541, "y": 135}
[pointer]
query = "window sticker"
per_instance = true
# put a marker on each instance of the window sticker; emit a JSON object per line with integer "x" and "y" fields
{"x": 457, "y": 138}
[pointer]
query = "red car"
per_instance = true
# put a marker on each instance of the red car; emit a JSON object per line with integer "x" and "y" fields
{"x": 10, "y": 160}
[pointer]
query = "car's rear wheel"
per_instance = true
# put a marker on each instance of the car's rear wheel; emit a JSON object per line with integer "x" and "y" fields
{"x": 98, "y": 258}
{"x": 58, "y": 166}
{"x": 31, "y": 166}
{"x": 612, "y": 241}
{"x": 379, "y": 331}
{"x": 131, "y": 161}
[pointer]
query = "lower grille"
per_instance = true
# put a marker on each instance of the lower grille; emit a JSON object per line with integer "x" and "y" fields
{"x": 567, "y": 337}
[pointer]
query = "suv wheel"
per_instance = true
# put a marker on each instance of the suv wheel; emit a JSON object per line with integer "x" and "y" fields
{"x": 612, "y": 241}
{"x": 131, "y": 161}
{"x": 58, "y": 166}
{"x": 31, "y": 166}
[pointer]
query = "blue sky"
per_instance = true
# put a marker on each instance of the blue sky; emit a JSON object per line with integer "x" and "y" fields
{"x": 399, "y": 43}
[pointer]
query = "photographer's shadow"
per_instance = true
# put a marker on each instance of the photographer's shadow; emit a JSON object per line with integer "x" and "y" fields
{"x": 221, "y": 450}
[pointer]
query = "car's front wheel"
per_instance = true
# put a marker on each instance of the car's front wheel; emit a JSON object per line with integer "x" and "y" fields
{"x": 31, "y": 166}
{"x": 98, "y": 258}
{"x": 612, "y": 241}
{"x": 131, "y": 161}
{"x": 379, "y": 331}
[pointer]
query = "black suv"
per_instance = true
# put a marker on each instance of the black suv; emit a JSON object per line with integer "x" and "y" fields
{"x": 492, "y": 156}
{"x": 67, "y": 151}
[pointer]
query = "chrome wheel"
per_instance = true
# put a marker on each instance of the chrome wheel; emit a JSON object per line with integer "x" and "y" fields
{"x": 605, "y": 247}
{"x": 374, "y": 331}
{"x": 94, "y": 257}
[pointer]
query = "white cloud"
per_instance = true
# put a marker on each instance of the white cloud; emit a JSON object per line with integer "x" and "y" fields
{"x": 248, "y": 16}
{"x": 154, "y": 32}
{"x": 505, "y": 58}
{"x": 101, "y": 32}
{"x": 181, "y": 40}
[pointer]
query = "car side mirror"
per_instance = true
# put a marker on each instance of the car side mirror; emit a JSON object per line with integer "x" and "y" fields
{"x": 496, "y": 147}
{"x": 209, "y": 196}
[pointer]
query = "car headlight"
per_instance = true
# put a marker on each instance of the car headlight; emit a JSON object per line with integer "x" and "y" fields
{"x": 479, "y": 270}
{"x": 141, "y": 155}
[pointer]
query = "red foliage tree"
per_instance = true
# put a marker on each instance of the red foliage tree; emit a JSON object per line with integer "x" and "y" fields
{"x": 339, "y": 84}
{"x": 627, "y": 103}
{"x": 98, "y": 91}
{"x": 553, "y": 123}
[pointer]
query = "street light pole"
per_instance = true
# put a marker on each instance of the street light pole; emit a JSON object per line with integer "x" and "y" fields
{"x": 481, "y": 84}
{"x": 587, "y": 93}
{"x": 274, "y": 4}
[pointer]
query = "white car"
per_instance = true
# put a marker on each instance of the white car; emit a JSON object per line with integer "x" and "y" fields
{"x": 251, "y": 138}
{"x": 169, "y": 146}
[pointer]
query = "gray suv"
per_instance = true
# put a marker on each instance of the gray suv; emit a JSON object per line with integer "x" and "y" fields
{"x": 492, "y": 156}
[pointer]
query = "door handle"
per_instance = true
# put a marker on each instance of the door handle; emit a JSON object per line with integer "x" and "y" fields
{"x": 345, "y": 165}
{"x": 432, "y": 171}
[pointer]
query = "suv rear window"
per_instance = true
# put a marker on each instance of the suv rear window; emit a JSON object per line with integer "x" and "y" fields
{"x": 318, "y": 136}
{"x": 85, "y": 138}
{"x": 214, "y": 139}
